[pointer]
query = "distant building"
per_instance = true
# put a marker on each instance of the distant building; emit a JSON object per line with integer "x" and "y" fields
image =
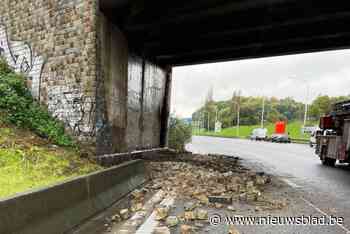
{"x": 187, "y": 120}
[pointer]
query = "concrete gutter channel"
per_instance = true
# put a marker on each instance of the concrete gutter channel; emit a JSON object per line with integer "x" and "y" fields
{"x": 60, "y": 208}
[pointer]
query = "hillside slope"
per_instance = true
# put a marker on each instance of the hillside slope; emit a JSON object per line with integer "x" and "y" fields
{"x": 34, "y": 149}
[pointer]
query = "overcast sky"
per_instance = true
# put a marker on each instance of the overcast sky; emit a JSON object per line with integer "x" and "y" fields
{"x": 283, "y": 76}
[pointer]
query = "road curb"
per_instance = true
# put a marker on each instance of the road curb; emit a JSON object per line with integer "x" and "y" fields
{"x": 59, "y": 208}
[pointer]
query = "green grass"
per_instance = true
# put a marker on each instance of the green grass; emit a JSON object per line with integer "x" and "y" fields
{"x": 294, "y": 129}
{"x": 28, "y": 162}
{"x": 28, "y": 158}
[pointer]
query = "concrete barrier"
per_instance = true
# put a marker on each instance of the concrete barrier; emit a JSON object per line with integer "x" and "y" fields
{"x": 59, "y": 208}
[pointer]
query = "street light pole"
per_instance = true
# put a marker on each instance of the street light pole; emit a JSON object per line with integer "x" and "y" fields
{"x": 208, "y": 122}
{"x": 306, "y": 103}
{"x": 237, "y": 129}
{"x": 307, "y": 97}
{"x": 262, "y": 113}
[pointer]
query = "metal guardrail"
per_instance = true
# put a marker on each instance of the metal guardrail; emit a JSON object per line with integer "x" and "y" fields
{"x": 302, "y": 141}
{"x": 294, "y": 140}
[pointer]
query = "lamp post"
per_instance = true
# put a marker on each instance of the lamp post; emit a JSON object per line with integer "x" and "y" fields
{"x": 263, "y": 112}
{"x": 306, "y": 98}
{"x": 238, "y": 116}
{"x": 306, "y": 103}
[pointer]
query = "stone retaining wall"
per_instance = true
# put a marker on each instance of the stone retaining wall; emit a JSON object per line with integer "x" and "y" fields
{"x": 80, "y": 65}
{"x": 54, "y": 44}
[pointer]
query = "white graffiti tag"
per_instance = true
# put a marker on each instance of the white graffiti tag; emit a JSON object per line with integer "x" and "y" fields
{"x": 20, "y": 57}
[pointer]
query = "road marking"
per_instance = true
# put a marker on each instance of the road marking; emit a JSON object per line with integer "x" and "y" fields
{"x": 290, "y": 183}
{"x": 151, "y": 223}
{"x": 324, "y": 213}
{"x": 294, "y": 185}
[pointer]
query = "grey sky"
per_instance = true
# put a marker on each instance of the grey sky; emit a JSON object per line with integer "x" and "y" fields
{"x": 283, "y": 76}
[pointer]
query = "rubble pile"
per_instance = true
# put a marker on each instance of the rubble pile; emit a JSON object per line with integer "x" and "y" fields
{"x": 207, "y": 185}
{"x": 199, "y": 182}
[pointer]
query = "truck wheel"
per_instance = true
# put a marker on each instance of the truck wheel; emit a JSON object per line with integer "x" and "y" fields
{"x": 328, "y": 161}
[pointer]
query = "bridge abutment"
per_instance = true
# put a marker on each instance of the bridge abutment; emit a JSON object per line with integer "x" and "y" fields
{"x": 82, "y": 67}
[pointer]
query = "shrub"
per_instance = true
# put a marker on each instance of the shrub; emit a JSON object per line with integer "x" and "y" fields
{"x": 19, "y": 108}
{"x": 180, "y": 133}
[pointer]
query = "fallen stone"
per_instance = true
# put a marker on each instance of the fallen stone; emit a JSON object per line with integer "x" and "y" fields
{"x": 251, "y": 197}
{"x": 116, "y": 218}
{"x": 220, "y": 199}
{"x": 136, "y": 207}
{"x": 227, "y": 174}
{"x": 190, "y": 215}
{"x": 250, "y": 185}
{"x": 172, "y": 221}
{"x": 157, "y": 186}
{"x": 231, "y": 208}
{"x": 233, "y": 230}
{"x": 260, "y": 180}
{"x": 201, "y": 214}
{"x": 125, "y": 214}
{"x": 186, "y": 229}
{"x": 181, "y": 218}
{"x": 199, "y": 225}
{"x": 189, "y": 206}
{"x": 161, "y": 213}
{"x": 203, "y": 199}
{"x": 242, "y": 197}
{"x": 161, "y": 230}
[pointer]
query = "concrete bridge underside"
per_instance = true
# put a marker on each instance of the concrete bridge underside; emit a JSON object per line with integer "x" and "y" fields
{"x": 186, "y": 32}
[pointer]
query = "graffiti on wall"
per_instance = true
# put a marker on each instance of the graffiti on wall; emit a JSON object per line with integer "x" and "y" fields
{"x": 20, "y": 57}
{"x": 72, "y": 107}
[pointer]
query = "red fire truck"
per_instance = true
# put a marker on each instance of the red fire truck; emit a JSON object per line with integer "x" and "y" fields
{"x": 333, "y": 140}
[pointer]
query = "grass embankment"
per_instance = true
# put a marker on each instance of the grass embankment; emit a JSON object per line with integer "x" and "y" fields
{"x": 34, "y": 149}
{"x": 294, "y": 129}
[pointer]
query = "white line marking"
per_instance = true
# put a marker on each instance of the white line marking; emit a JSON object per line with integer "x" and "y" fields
{"x": 290, "y": 183}
{"x": 151, "y": 223}
{"x": 324, "y": 213}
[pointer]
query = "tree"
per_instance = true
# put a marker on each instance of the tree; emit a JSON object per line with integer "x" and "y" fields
{"x": 180, "y": 133}
{"x": 250, "y": 109}
{"x": 320, "y": 106}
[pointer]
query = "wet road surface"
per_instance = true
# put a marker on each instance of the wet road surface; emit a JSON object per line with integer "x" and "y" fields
{"x": 325, "y": 188}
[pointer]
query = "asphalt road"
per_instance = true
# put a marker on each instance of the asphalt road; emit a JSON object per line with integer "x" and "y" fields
{"x": 325, "y": 188}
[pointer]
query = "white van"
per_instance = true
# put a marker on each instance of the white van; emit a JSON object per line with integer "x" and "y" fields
{"x": 259, "y": 134}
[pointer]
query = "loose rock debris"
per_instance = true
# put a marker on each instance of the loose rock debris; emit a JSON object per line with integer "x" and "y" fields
{"x": 202, "y": 182}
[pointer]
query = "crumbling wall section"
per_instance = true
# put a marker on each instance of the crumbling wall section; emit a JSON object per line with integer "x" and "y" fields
{"x": 131, "y": 95}
{"x": 54, "y": 44}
